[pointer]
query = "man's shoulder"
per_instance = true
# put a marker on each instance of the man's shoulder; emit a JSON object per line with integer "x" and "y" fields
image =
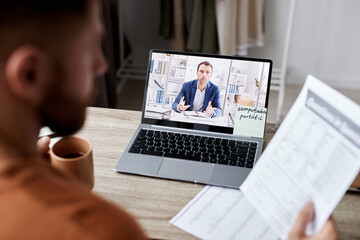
{"x": 190, "y": 83}
{"x": 111, "y": 217}
{"x": 64, "y": 206}
{"x": 213, "y": 86}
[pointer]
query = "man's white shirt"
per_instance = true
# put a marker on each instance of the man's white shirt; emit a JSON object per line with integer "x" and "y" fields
{"x": 198, "y": 100}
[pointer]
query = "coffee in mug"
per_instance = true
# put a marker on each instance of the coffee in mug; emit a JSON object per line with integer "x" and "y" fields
{"x": 73, "y": 155}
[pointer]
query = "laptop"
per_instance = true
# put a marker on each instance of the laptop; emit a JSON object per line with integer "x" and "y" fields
{"x": 189, "y": 115}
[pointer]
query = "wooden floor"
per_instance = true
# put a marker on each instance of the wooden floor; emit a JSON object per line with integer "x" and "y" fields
{"x": 131, "y": 92}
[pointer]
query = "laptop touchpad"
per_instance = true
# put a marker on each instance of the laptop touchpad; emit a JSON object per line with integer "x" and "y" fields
{"x": 186, "y": 170}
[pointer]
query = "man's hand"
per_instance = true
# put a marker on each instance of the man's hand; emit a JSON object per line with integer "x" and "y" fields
{"x": 182, "y": 106}
{"x": 42, "y": 146}
{"x": 209, "y": 109}
{"x": 328, "y": 232}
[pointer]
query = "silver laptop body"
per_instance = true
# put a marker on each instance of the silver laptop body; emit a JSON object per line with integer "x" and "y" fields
{"x": 239, "y": 81}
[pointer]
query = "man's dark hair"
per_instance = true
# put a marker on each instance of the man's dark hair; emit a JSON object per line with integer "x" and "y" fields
{"x": 206, "y": 63}
{"x": 12, "y": 11}
{"x": 36, "y": 21}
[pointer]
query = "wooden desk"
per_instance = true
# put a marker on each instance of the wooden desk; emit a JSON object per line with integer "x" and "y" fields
{"x": 155, "y": 201}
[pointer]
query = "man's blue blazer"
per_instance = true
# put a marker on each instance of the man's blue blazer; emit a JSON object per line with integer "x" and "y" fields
{"x": 188, "y": 91}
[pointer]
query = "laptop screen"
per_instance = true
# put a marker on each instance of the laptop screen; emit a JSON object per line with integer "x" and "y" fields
{"x": 203, "y": 91}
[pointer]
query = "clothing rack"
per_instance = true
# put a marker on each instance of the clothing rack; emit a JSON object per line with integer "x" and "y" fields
{"x": 279, "y": 74}
{"x": 129, "y": 69}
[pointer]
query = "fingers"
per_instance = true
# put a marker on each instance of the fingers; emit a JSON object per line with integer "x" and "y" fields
{"x": 305, "y": 216}
{"x": 183, "y": 108}
{"x": 329, "y": 231}
{"x": 208, "y": 108}
{"x": 182, "y": 105}
{"x": 182, "y": 102}
{"x": 42, "y": 146}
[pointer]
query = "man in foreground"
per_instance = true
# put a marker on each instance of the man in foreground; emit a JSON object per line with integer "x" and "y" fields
{"x": 49, "y": 57}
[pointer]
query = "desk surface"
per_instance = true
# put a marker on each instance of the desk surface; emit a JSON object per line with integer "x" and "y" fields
{"x": 155, "y": 201}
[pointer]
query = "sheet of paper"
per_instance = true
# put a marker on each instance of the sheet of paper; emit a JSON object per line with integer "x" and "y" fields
{"x": 250, "y": 121}
{"x": 314, "y": 156}
{"x": 190, "y": 113}
{"x": 222, "y": 213}
{"x": 157, "y": 109}
{"x": 195, "y": 114}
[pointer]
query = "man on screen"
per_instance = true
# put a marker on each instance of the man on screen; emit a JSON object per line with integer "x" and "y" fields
{"x": 200, "y": 94}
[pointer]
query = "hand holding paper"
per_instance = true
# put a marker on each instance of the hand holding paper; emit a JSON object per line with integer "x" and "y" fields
{"x": 306, "y": 215}
{"x": 314, "y": 156}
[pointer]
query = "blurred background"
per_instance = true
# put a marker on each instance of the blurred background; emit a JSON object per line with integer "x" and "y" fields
{"x": 301, "y": 37}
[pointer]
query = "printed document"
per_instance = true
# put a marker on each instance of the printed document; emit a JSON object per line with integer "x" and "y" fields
{"x": 222, "y": 213}
{"x": 314, "y": 156}
{"x": 195, "y": 114}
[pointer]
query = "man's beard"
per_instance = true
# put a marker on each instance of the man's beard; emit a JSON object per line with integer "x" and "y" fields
{"x": 62, "y": 113}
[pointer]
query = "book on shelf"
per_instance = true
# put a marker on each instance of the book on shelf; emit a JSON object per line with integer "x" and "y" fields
{"x": 169, "y": 99}
{"x": 158, "y": 70}
{"x": 151, "y": 66}
{"x": 162, "y": 64}
{"x": 159, "y": 96}
{"x": 231, "y": 88}
{"x": 164, "y": 69}
{"x": 160, "y": 67}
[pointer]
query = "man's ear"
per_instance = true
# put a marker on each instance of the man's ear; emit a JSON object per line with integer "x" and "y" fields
{"x": 24, "y": 72}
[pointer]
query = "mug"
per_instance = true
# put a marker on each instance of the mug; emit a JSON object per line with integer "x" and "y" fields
{"x": 73, "y": 155}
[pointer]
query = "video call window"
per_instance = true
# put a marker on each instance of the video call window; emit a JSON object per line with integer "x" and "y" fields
{"x": 232, "y": 83}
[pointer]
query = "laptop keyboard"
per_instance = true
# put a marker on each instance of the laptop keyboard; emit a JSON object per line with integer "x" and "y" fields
{"x": 196, "y": 148}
